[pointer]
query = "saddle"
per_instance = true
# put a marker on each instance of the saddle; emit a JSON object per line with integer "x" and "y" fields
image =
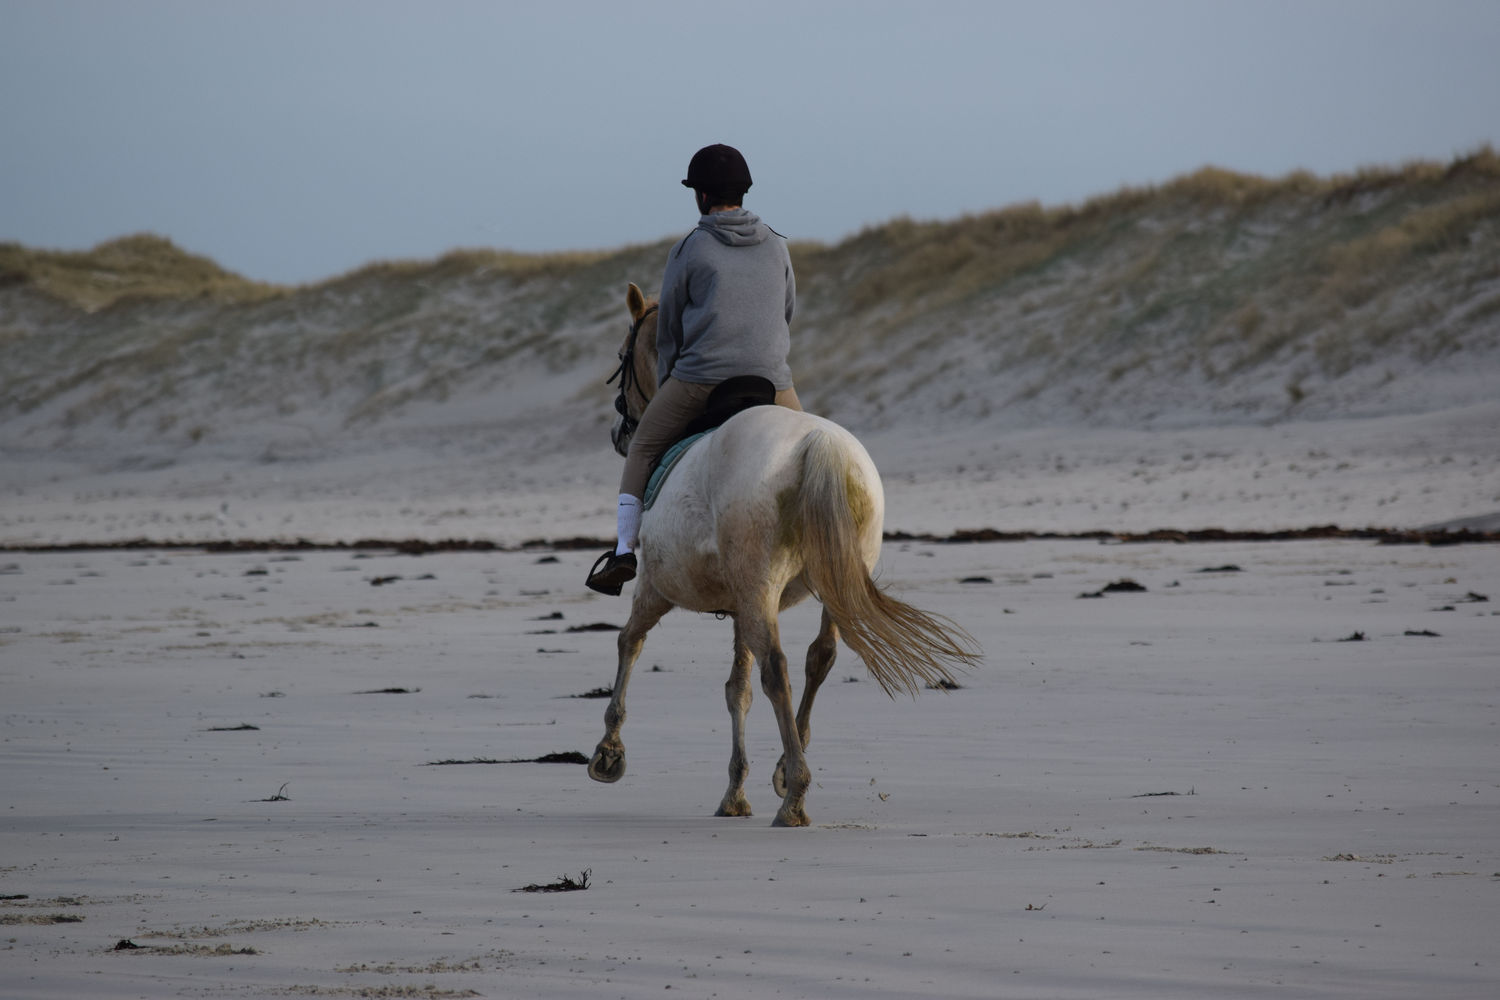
{"x": 728, "y": 398}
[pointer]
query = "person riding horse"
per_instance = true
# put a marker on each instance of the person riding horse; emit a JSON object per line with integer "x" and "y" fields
{"x": 727, "y": 298}
{"x": 776, "y": 507}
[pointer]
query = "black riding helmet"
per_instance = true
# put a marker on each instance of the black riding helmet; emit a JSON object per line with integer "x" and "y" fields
{"x": 718, "y": 170}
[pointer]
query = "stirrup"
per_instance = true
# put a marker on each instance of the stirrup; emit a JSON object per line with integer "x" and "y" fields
{"x": 616, "y": 571}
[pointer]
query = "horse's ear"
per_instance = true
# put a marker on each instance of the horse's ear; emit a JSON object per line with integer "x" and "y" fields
{"x": 635, "y": 301}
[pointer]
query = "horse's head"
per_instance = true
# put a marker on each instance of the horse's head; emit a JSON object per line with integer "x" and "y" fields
{"x": 637, "y": 371}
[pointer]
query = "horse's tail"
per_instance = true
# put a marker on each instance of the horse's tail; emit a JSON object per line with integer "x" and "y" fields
{"x": 902, "y": 646}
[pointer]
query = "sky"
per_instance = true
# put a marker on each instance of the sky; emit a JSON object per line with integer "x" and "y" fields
{"x": 296, "y": 141}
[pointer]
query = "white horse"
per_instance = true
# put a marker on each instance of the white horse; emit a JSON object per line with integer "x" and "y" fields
{"x": 772, "y": 507}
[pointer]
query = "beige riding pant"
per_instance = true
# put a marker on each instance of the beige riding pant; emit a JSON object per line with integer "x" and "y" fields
{"x": 675, "y": 405}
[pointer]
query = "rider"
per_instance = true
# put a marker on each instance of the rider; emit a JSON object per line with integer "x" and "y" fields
{"x": 727, "y": 297}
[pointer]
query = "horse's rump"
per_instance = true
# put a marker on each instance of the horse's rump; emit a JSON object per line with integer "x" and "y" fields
{"x": 717, "y": 519}
{"x": 794, "y": 502}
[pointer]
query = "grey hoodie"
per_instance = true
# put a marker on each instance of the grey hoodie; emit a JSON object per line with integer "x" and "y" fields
{"x": 727, "y": 298}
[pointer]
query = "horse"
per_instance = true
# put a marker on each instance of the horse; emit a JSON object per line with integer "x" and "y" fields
{"x": 774, "y": 506}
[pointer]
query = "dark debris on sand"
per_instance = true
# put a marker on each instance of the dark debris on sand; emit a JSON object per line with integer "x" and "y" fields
{"x": 564, "y": 884}
{"x": 418, "y": 547}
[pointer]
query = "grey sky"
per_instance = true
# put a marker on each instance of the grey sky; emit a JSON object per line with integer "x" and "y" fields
{"x": 292, "y": 141}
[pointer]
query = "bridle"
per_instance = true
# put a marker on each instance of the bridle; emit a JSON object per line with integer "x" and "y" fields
{"x": 626, "y": 374}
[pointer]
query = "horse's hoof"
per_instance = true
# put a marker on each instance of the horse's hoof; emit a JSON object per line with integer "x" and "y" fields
{"x": 734, "y": 807}
{"x": 778, "y": 778}
{"x": 608, "y": 765}
{"x": 795, "y": 817}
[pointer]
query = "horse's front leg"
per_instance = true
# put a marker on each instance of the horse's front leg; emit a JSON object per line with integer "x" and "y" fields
{"x": 820, "y": 657}
{"x": 608, "y": 763}
{"x": 737, "y": 696}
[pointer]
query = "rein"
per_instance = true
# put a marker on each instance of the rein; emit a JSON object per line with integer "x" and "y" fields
{"x": 626, "y": 374}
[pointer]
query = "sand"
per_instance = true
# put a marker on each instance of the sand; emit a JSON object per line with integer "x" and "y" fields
{"x": 236, "y": 775}
{"x": 1272, "y": 770}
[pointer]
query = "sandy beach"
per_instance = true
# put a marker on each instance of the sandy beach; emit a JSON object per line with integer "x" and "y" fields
{"x": 1272, "y": 771}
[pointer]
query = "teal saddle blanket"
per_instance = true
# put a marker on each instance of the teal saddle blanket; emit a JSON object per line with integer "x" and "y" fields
{"x": 664, "y": 466}
{"x": 728, "y": 398}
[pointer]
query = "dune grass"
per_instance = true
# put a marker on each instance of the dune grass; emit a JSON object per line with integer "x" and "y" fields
{"x": 142, "y": 266}
{"x": 951, "y": 260}
{"x": 476, "y": 260}
{"x": 901, "y": 260}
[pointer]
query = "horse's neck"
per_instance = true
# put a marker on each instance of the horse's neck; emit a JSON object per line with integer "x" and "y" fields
{"x": 645, "y": 361}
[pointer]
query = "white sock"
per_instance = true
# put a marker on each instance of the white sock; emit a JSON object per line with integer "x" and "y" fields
{"x": 627, "y": 524}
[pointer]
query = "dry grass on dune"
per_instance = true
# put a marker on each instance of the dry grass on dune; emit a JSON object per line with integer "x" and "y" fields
{"x": 946, "y": 261}
{"x": 900, "y": 261}
{"x": 143, "y": 266}
{"x": 471, "y": 260}
{"x": 150, "y": 267}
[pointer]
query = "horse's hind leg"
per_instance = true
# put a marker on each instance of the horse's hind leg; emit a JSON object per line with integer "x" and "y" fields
{"x": 608, "y": 763}
{"x": 763, "y": 638}
{"x": 820, "y": 656}
{"x": 737, "y": 695}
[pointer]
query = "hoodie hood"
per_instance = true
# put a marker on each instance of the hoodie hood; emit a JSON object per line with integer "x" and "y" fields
{"x": 735, "y": 228}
